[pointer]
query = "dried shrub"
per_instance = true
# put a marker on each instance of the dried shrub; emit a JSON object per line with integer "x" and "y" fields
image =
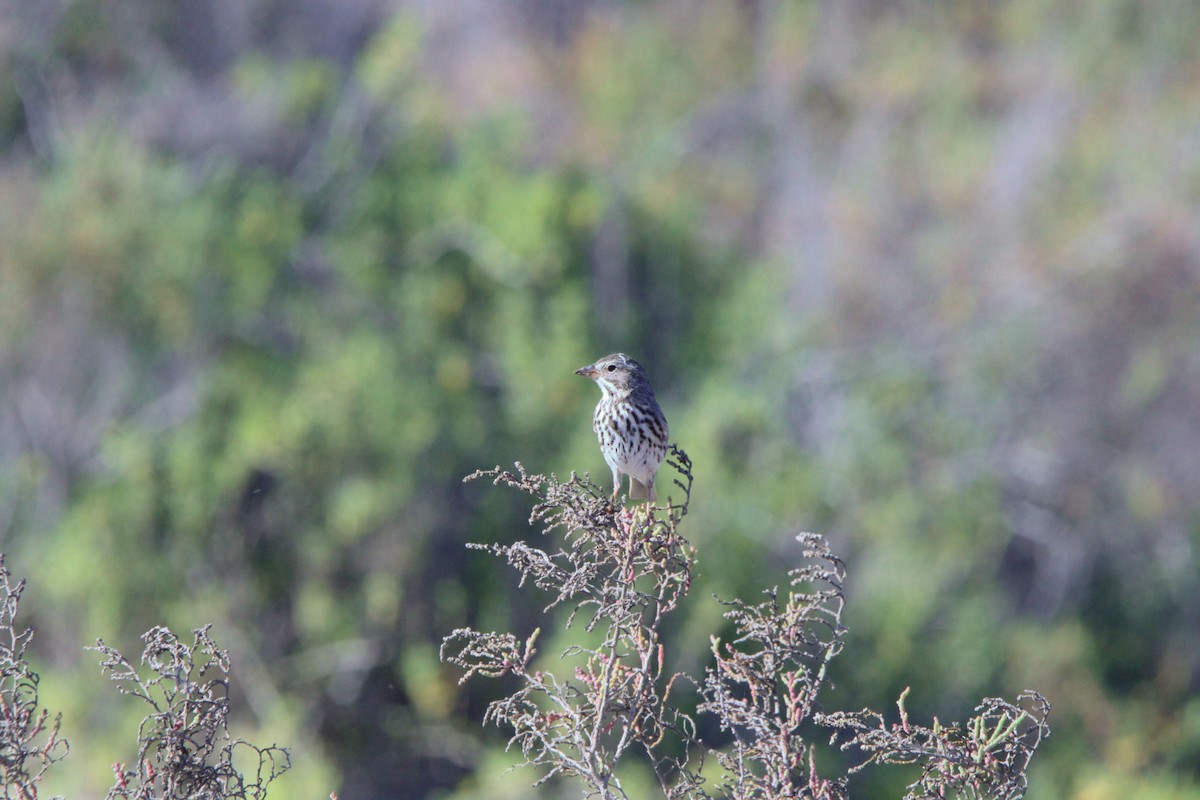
{"x": 763, "y": 685}
{"x": 29, "y": 738}
{"x": 627, "y": 569}
{"x": 184, "y": 746}
{"x": 987, "y": 757}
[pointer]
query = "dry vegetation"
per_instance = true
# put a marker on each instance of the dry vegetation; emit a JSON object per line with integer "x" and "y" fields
{"x": 626, "y": 570}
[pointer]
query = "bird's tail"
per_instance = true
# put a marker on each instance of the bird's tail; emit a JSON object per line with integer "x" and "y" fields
{"x": 642, "y": 491}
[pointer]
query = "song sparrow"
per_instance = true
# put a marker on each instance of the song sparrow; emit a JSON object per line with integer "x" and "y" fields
{"x": 630, "y": 425}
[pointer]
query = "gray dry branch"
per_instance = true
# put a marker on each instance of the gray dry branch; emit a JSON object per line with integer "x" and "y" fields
{"x": 628, "y": 569}
{"x": 29, "y": 739}
{"x": 985, "y": 758}
{"x": 763, "y": 685}
{"x": 184, "y": 746}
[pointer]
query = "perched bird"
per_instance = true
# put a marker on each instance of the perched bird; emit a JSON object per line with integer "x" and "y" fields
{"x": 630, "y": 425}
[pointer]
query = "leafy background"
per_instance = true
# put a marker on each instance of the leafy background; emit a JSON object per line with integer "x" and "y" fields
{"x": 921, "y": 277}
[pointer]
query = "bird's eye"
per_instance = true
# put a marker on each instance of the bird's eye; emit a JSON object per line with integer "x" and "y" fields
{"x": 612, "y": 367}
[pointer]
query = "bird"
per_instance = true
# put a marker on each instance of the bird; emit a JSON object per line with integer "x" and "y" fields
{"x": 629, "y": 423}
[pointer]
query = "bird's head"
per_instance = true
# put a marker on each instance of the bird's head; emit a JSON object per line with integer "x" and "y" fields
{"x": 617, "y": 374}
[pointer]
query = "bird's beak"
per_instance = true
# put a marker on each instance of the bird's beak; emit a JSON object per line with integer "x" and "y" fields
{"x": 588, "y": 372}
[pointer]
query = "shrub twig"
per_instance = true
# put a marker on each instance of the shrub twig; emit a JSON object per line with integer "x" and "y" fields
{"x": 29, "y": 738}
{"x": 763, "y": 685}
{"x": 185, "y": 749}
{"x": 986, "y": 757}
{"x": 628, "y": 570}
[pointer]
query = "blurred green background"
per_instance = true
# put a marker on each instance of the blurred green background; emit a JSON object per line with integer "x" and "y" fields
{"x": 923, "y": 277}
